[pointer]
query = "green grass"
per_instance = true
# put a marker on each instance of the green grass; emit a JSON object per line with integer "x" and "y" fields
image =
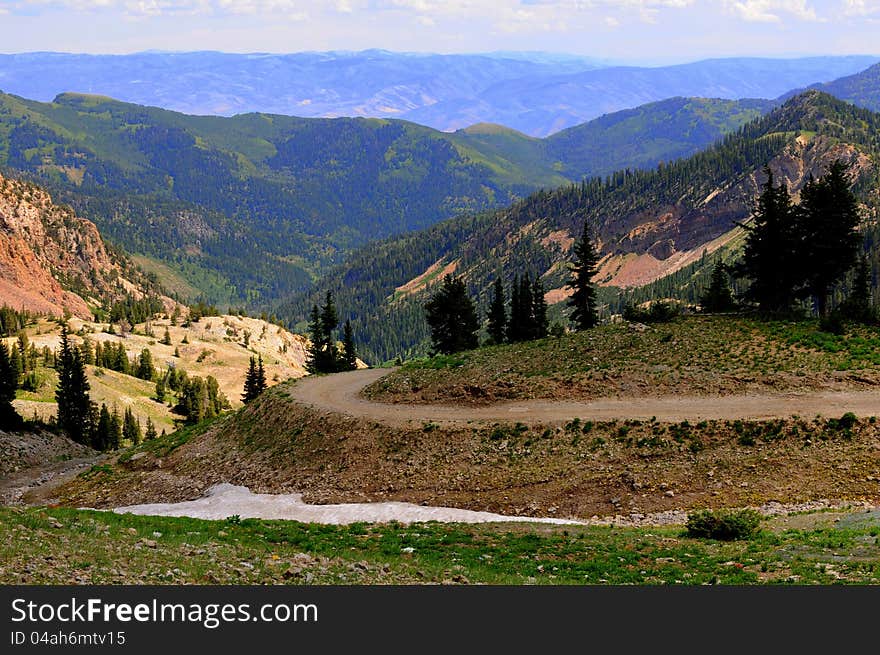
{"x": 53, "y": 545}
{"x": 694, "y": 354}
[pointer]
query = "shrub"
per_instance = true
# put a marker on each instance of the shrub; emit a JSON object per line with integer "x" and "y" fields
{"x": 723, "y": 525}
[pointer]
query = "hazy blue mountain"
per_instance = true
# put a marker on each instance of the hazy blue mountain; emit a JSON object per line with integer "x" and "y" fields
{"x": 551, "y": 103}
{"x": 534, "y": 93}
{"x": 862, "y": 89}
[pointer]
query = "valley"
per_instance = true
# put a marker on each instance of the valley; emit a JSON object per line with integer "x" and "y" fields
{"x": 167, "y": 435}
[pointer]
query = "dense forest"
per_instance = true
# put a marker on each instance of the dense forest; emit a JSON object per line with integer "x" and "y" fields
{"x": 251, "y": 208}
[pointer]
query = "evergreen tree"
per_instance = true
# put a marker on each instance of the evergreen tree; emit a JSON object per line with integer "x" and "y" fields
{"x": 114, "y": 435}
{"x": 102, "y": 437}
{"x": 131, "y": 428}
{"x": 541, "y": 325}
{"x": 348, "y": 360}
{"x": 526, "y": 317}
{"x": 9, "y": 419}
{"x": 160, "y": 388}
{"x": 584, "y": 313}
{"x": 329, "y": 355}
{"x": 514, "y": 325}
{"x": 15, "y": 364}
{"x": 770, "y": 254}
{"x": 72, "y": 392}
{"x": 859, "y": 306}
{"x": 452, "y": 317}
{"x": 166, "y": 338}
{"x": 255, "y": 380}
{"x": 718, "y": 297}
{"x": 87, "y": 351}
{"x": 23, "y": 352}
{"x": 827, "y": 224}
{"x": 150, "y": 431}
{"x": 145, "y": 370}
{"x": 316, "y": 341}
{"x": 261, "y": 385}
{"x": 497, "y": 314}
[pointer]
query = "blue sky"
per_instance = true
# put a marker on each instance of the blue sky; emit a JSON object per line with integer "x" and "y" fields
{"x": 636, "y": 30}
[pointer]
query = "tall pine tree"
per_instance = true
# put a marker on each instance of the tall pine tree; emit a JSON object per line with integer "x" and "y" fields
{"x": 452, "y": 317}
{"x": 718, "y": 297}
{"x": 770, "y": 258}
{"x": 584, "y": 313}
{"x": 348, "y": 359}
{"x": 72, "y": 392}
{"x": 827, "y": 225}
{"x": 497, "y": 327}
{"x": 541, "y": 326}
{"x": 9, "y": 418}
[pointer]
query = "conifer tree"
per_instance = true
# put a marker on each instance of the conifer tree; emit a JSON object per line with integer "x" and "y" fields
{"x": 348, "y": 360}
{"x": 452, "y": 317}
{"x": 718, "y": 297}
{"x": 859, "y": 305}
{"x": 261, "y": 376}
{"x": 770, "y": 255}
{"x": 497, "y": 327}
{"x": 145, "y": 370}
{"x": 316, "y": 341}
{"x": 584, "y": 313}
{"x": 131, "y": 428}
{"x": 526, "y": 318}
{"x": 101, "y": 438}
{"x": 114, "y": 436}
{"x": 514, "y": 325}
{"x": 9, "y": 418}
{"x": 72, "y": 392}
{"x": 255, "y": 380}
{"x": 166, "y": 338}
{"x": 541, "y": 325}
{"x": 15, "y": 364}
{"x": 827, "y": 224}
{"x": 87, "y": 351}
{"x": 150, "y": 431}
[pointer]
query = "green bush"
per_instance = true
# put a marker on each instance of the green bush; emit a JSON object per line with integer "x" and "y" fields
{"x": 723, "y": 525}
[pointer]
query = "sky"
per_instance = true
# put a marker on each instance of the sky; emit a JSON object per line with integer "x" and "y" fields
{"x": 643, "y": 31}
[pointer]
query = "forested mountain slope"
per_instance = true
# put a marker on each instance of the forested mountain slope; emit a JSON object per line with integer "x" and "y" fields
{"x": 247, "y": 209}
{"x": 647, "y": 223}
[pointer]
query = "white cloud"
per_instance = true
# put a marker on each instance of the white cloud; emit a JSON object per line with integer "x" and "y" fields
{"x": 861, "y": 7}
{"x": 770, "y": 11}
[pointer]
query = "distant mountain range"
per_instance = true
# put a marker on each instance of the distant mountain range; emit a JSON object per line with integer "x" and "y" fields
{"x": 533, "y": 93}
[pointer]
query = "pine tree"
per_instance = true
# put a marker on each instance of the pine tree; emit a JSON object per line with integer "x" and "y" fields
{"x": 160, "y": 388}
{"x": 166, "y": 338}
{"x": 114, "y": 434}
{"x": 145, "y": 370}
{"x": 584, "y": 313}
{"x": 72, "y": 392}
{"x": 255, "y": 380}
{"x": 348, "y": 360}
{"x": 88, "y": 352}
{"x": 452, "y": 317}
{"x": 9, "y": 419}
{"x": 514, "y": 325}
{"x": 261, "y": 385}
{"x": 497, "y": 314}
{"x": 316, "y": 341}
{"x": 859, "y": 305}
{"x": 15, "y": 364}
{"x": 770, "y": 255}
{"x": 827, "y": 225}
{"x": 150, "y": 431}
{"x": 718, "y": 297}
{"x": 101, "y": 438}
{"x": 131, "y": 428}
{"x": 329, "y": 355}
{"x": 541, "y": 325}
{"x": 526, "y": 318}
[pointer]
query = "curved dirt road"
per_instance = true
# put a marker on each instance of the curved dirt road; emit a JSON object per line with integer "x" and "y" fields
{"x": 341, "y": 393}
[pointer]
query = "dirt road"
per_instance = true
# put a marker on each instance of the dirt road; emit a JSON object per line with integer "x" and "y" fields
{"x": 341, "y": 393}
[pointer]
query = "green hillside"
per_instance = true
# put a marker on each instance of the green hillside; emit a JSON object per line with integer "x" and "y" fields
{"x": 675, "y": 208}
{"x": 251, "y": 208}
